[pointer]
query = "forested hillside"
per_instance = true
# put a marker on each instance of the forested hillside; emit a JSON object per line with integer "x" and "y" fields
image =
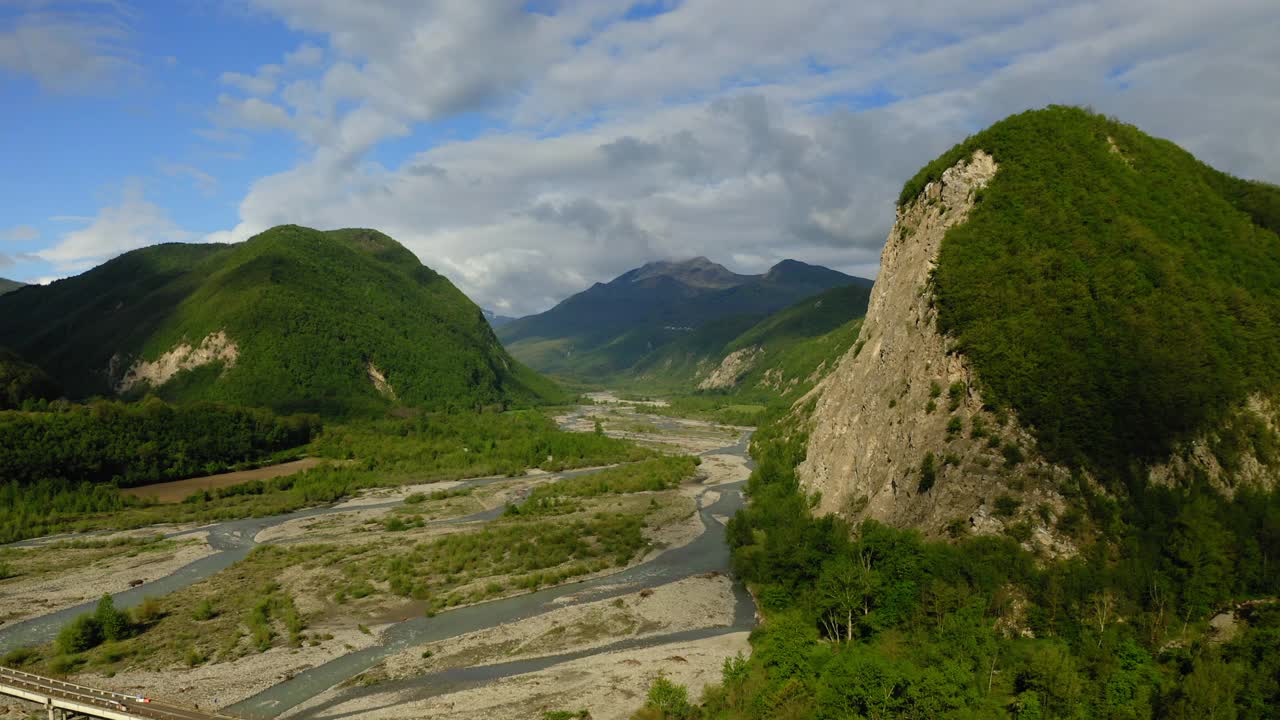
{"x": 757, "y": 361}
{"x": 293, "y": 319}
{"x": 21, "y": 382}
{"x": 602, "y": 332}
{"x": 1120, "y": 295}
{"x": 9, "y": 285}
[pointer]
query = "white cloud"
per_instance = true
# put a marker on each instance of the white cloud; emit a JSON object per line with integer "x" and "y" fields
{"x": 252, "y": 113}
{"x": 730, "y": 128}
{"x": 133, "y": 223}
{"x": 19, "y": 233}
{"x": 67, "y": 47}
{"x": 260, "y": 84}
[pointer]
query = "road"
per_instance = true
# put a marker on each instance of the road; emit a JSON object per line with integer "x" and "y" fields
{"x": 83, "y": 700}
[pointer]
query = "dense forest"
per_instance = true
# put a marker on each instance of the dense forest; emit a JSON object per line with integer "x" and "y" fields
{"x": 366, "y": 455}
{"x": 875, "y": 622}
{"x": 1117, "y": 293}
{"x": 312, "y": 315}
{"x": 22, "y": 383}
{"x": 137, "y": 444}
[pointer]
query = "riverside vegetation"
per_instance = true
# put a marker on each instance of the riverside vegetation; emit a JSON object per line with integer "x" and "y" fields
{"x": 873, "y": 621}
{"x": 83, "y": 494}
{"x": 254, "y": 606}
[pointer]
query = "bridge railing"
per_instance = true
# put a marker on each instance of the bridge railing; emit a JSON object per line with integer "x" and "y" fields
{"x": 96, "y": 697}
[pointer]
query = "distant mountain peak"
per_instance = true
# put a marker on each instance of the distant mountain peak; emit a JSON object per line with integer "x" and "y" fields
{"x": 698, "y": 272}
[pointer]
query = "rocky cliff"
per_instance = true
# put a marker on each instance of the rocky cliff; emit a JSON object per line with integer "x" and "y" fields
{"x": 898, "y": 431}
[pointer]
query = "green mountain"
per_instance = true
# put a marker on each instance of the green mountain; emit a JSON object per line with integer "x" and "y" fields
{"x": 779, "y": 357}
{"x": 7, "y": 286}
{"x": 21, "y": 381}
{"x": 293, "y": 319}
{"x": 1119, "y": 294}
{"x": 608, "y": 328}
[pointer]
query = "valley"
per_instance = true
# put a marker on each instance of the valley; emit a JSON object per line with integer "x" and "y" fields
{"x": 655, "y": 587}
{"x": 1032, "y": 471}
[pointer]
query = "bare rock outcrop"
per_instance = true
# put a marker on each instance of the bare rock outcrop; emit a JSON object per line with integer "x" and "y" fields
{"x": 215, "y": 347}
{"x": 379, "y": 381}
{"x": 731, "y": 369}
{"x": 898, "y": 432}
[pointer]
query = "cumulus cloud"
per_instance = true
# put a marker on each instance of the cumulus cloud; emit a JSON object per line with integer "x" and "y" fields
{"x": 19, "y": 233}
{"x": 133, "y": 223}
{"x": 744, "y": 130}
{"x": 67, "y": 47}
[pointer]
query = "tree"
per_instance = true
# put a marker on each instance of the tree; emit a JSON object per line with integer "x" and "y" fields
{"x": 846, "y": 586}
{"x": 113, "y": 623}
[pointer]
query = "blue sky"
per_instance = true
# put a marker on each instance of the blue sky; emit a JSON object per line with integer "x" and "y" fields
{"x": 529, "y": 150}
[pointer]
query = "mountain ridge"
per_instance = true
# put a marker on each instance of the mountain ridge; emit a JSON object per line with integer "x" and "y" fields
{"x": 610, "y": 326}
{"x": 293, "y": 319}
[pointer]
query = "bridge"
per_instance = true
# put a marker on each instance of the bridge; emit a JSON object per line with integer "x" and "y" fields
{"x": 64, "y": 700}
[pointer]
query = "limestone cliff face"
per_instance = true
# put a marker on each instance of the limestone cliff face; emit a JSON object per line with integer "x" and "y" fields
{"x": 898, "y": 402}
{"x": 216, "y": 347}
{"x": 731, "y": 369}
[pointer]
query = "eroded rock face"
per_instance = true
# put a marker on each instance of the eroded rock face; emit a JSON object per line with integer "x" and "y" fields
{"x": 731, "y": 369}
{"x": 215, "y": 347}
{"x": 379, "y": 381}
{"x": 889, "y": 404}
{"x": 1197, "y": 459}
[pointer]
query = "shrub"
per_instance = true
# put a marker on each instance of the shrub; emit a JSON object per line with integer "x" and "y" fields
{"x": 955, "y": 394}
{"x": 928, "y": 473}
{"x": 977, "y": 427}
{"x": 148, "y": 612}
{"x": 205, "y": 611}
{"x": 83, "y": 633}
{"x": 670, "y": 699}
{"x": 1012, "y": 455}
{"x": 1007, "y": 505}
{"x": 954, "y": 426}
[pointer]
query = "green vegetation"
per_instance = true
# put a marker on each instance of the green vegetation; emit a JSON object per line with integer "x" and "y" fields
{"x": 871, "y": 621}
{"x": 66, "y": 464}
{"x": 387, "y": 453}
{"x": 667, "y": 700}
{"x": 22, "y": 383}
{"x": 309, "y": 312}
{"x": 789, "y": 347}
{"x": 468, "y": 444}
{"x": 88, "y": 631}
{"x": 139, "y": 444}
{"x": 1119, "y": 300}
{"x": 655, "y": 475}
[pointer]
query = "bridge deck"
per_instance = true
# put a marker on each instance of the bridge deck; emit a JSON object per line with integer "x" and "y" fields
{"x": 92, "y": 702}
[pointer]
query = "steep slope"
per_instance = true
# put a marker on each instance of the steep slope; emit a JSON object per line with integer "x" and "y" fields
{"x": 611, "y": 326}
{"x": 21, "y": 381}
{"x": 7, "y": 286}
{"x": 777, "y": 357}
{"x": 1060, "y": 294}
{"x": 292, "y": 319}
